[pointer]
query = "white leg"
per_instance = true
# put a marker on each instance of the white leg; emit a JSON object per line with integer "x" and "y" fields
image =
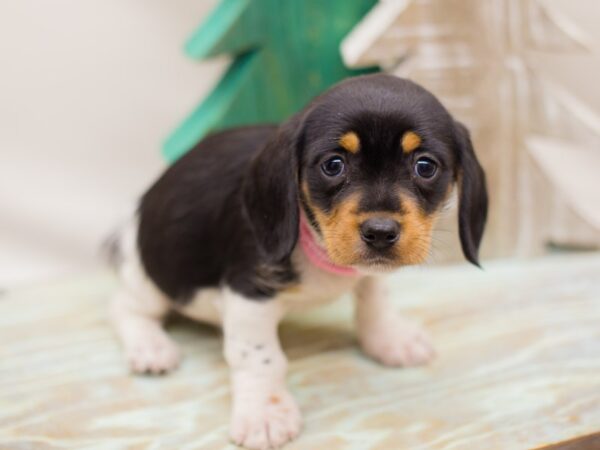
{"x": 138, "y": 324}
{"x": 265, "y": 415}
{"x": 384, "y": 335}
{"x": 137, "y": 312}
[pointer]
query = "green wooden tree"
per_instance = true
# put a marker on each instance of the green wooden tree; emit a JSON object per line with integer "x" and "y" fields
{"x": 285, "y": 52}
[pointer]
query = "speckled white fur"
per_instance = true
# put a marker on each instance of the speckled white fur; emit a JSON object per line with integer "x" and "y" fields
{"x": 265, "y": 415}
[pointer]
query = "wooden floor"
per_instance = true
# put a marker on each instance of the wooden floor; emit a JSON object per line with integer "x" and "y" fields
{"x": 518, "y": 368}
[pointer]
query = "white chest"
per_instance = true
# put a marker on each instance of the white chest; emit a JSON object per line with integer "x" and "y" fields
{"x": 316, "y": 287}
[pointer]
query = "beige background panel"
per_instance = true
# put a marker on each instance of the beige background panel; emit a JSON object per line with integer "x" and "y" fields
{"x": 89, "y": 90}
{"x": 519, "y": 366}
{"x": 509, "y": 69}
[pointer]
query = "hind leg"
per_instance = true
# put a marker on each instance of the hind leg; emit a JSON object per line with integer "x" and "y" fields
{"x": 138, "y": 323}
{"x": 137, "y": 312}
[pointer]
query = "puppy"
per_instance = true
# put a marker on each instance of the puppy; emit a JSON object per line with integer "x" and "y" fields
{"x": 256, "y": 221}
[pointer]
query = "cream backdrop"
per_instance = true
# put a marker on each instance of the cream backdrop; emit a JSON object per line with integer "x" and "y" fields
{"x": 88, "y": 90}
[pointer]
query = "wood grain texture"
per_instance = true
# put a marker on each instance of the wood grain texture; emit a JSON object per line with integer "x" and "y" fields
{"x": 518, "y": 368}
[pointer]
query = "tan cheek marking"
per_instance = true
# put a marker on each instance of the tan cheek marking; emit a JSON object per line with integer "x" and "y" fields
{"x": 350, "y": 142}
{"x": 415, "y": 237}
{"x": 410, "y": 141}
{"x": 339, "y": 229}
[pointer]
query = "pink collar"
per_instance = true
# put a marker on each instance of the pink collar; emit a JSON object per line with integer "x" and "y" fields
{"x": 317, "y": 254}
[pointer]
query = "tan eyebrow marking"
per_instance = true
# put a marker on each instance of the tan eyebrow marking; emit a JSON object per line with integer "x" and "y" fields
{"x": 410, "y": 141}
{"x": 350, "y": 142}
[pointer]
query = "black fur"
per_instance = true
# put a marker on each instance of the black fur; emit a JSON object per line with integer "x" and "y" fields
{"x": 380, "y": 109}
{"x": 227, "y": 212}
{"x": 271, "y": 193}
{"x": 472, "y": 213}
{"x": 193, "y": 229}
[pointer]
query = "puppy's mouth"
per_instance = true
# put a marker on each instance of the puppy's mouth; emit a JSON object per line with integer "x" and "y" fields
{"x": 373, "y": 261}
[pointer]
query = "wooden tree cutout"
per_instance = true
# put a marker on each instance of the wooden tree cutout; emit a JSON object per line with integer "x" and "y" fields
{"x": 285, "y": 53}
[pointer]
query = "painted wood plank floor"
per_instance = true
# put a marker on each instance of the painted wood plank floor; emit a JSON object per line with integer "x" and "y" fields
{"x": 518, "y": 368}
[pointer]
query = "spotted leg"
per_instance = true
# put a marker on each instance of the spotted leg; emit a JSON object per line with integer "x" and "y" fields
{"x": 265, "y": 414}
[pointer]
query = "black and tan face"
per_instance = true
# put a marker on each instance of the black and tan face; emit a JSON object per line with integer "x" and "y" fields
{"x": 375, "y": 159}
{"x": 374, "y": 203}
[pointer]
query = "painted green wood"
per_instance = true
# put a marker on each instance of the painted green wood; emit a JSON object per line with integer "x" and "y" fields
{"x": 285, "y": 52}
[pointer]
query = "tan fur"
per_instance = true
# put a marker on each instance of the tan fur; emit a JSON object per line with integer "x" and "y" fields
{"x": 350, "y": 142}
{"x": 415, "y": 237}
{"x": 341, "y": 232}
{"x": 410, "y": 141}
{"x": 293, "y": 289}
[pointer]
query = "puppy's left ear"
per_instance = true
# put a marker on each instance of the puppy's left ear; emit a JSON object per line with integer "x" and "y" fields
{"x": 473, "y": 198}
{"x": 271, "y": 193}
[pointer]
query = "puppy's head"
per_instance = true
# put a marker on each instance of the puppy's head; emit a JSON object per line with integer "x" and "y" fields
{"x": 371, "y": 162}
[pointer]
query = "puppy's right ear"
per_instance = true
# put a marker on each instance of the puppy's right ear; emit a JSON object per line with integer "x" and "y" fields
{"x": 271, "y": 192}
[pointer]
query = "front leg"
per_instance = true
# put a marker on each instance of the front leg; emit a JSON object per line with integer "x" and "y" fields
{"x": 383, "y": 334}
{"x": 265, "y": 415}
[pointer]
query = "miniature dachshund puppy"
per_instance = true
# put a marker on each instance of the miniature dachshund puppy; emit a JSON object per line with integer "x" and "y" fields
{"x": 254, "y": 222}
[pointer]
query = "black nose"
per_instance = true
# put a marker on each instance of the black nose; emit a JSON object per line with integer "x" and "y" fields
{"x": 380, "y": 233}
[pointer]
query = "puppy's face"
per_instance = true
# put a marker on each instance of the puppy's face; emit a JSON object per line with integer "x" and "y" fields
{"x": 378, "y": 165}
{"x": 374, "y": 203}
{"x": 373, "y": 160}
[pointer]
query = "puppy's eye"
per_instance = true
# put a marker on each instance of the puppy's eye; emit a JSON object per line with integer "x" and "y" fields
{"x": 425, "y": 168}
{"x": 333, "y": 167}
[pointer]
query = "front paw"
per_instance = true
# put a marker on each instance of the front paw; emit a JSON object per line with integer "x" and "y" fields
{"x": 265, "y": 422}
{"x": 397, "y": 343}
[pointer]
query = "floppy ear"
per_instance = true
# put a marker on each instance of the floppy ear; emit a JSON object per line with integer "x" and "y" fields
{"x": 473, "y": 198}
{"x": 271, "y": 193}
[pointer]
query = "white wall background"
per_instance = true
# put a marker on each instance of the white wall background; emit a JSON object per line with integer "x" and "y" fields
{"x": 88, "y": 92}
